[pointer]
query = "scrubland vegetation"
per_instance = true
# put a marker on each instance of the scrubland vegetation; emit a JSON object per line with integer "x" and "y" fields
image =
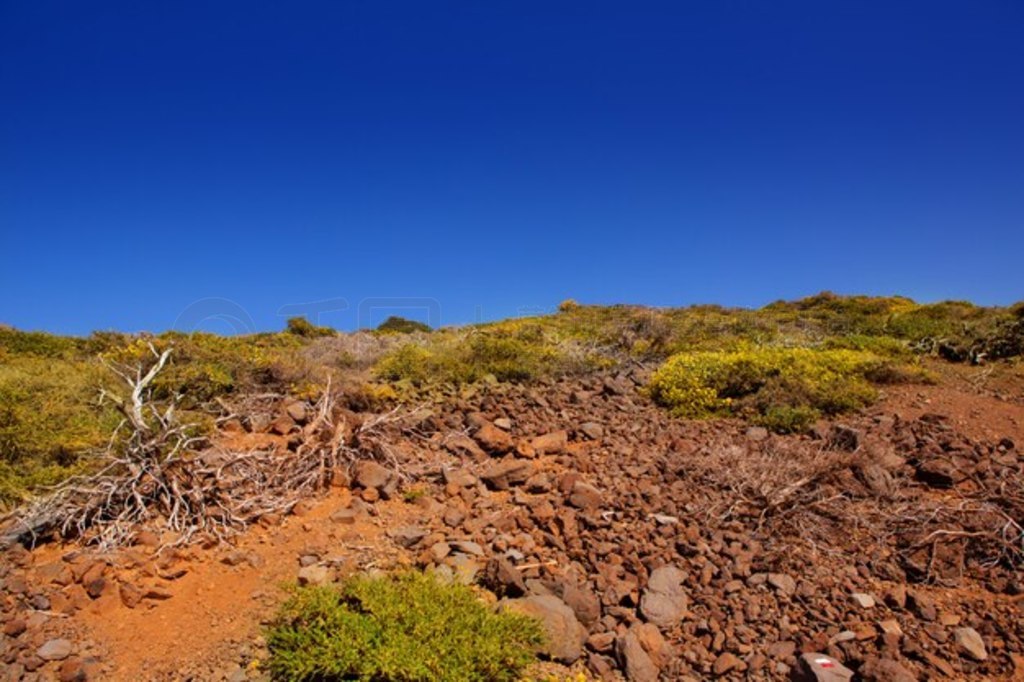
{"x": 404, "y": 626}
{"x": 783, "y": 365}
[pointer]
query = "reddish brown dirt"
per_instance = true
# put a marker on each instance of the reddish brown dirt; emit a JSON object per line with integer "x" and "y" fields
{"x": 215, "y": 607}
{"x": 584, "y": 522}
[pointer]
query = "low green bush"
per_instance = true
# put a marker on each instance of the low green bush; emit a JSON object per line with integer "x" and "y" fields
{"x": 400, "y": 325}
{"x": 37, "y": 344}
{"x": 407, "y": 627}
{"x": 884, "y": 346}
{"x": 49, "y": 415}
{"x": 509, "y": 351}
{"x": 788, "y": 418}
{"x": 410, "y": 362}
{"x": 300, "y": 326}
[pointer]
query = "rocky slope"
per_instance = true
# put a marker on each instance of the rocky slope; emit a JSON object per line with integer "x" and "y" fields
{"x": 887, "y": 546}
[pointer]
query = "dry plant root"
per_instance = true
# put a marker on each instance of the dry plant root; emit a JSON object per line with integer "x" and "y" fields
{"x": 153, "y": 476}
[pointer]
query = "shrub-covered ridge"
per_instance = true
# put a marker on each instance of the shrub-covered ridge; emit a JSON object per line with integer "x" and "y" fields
{"x": 50, "y": 415}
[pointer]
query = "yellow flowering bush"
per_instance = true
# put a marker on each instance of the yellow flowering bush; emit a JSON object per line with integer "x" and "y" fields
{"x": 760, "y": 381}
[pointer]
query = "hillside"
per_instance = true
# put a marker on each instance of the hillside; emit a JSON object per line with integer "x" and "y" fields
{"x": 674, "y": 493}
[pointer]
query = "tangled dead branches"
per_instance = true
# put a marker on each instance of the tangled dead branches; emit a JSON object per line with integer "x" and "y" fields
{"x": 812, "y": 494}
{"x": 768, "y": 484}
{"x": 154, "y": 476}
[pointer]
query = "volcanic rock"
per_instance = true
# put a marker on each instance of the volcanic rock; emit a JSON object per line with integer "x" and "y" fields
{"x": 565, "y": 635}
{"x": 664, "y": 600}
{"x": 55, "y": 650}
{"x": 971, "y": 643}
{"x": 493, "y": 440}
{"x": 550, "y": 443}
{"x": 635, "y": 659}
{"x": 510, "y": 472}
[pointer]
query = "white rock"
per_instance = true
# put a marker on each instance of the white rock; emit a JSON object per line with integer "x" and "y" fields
{"x": 863, "y": 600}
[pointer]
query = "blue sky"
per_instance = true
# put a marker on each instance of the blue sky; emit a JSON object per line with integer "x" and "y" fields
{"x": 480, "y": 160}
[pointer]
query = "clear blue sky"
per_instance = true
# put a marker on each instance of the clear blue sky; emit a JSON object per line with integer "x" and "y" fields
{"x": 498, "y": 157}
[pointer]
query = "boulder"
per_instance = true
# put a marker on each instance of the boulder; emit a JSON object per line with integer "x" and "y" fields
{"x": 877, "y": 479}
{"x": 844, "y": 438}
{"x": 461, "y": 444}
{"x": 863, "y": 600}
{"x": 15, "y": 626}
{"x": 130, "y": 595}
{"x": 313, "y": 575}
{"x": 619, "y": 385}
{"x": 782, "y": 650}
{"x": 408, "y": 536}
{"x": 782, "y": 582}
{"x": 565, "y": 634}
{"x": 502, "y": 578}
{"x": 55, "y": 650}
{"x": 937, "y": 473}
{"x": 885, "y": 670}
{"x": 664, "y": 600}
{"x": 493, "y": 440}
{"x": 727, "y": 662}
{"x": 585, "y": 496}
{"x": 550, "y": 443}
{"x": 346, "y": 516}
{"x": 507, "y": 473}
{"x": 297, "y": 411}
{"x": 583, "y": 602}
{"x": 370, "y": 474}
{"x": 282, "y": 425}
{"x": 461, "y": 478}
{"x": 467, "y": 547}
{"x": 74, "y": 670}
{"x": 971, "y": 643}
{"x": 635, "y": 659}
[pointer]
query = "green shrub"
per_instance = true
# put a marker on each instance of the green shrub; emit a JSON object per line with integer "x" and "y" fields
{"x": 938, "y": 320}
{"x": 17, "y": 481}
{"x": 49, "y": 416}
{"x": 205, "y": 366}
{"x": 788, "y": 419}
{"x": 886, "y": 372}
{"x": 764, "y": 381}
{"x": 300, "y": 326}
{"x": 507, "y": 351}
{"x": 402, "y": 628}
{"x": 410, "y": 362}
{"x": 885, "y": 346}
{"x": 518, "y": 356}
{"x": 400, "y": 325}
{"x": 37, "y": 344}
{"x": 833, "y": 314}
